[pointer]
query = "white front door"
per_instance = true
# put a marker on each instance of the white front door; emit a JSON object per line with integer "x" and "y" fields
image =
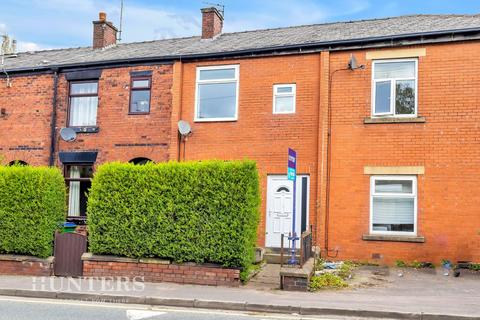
{"x": 280, "y": 208}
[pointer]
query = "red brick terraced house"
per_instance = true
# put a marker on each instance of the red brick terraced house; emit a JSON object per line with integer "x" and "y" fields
{"x": 384, "y": 116}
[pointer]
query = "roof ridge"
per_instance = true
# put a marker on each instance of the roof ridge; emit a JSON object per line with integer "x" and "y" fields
{"x": 255, "y": 30}
{"x": 355, "y": 21}
{"x": 51, "y": 50}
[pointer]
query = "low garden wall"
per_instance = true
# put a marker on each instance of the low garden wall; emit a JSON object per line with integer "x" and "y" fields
{"x": 156, "y": 270}
{"x": 25, "y": 265}
{"x": 203, "y": 212}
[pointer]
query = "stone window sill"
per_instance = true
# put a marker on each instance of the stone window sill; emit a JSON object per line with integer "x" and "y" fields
{"x": 375, "y": 120}
{"x": 86, "y": 129}
{"x": 393, "y": 238}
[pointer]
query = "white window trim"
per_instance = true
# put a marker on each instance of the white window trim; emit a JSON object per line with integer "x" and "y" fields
{"x": 393, "y": 90}
{"x": 288, "y": 94}
{"x": 198, "y": 82}
{"x": 412, "y": 195}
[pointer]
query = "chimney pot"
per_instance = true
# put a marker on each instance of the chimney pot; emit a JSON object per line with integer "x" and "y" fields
{"x": 104, "y": 32}
{"x": 212, "y": 23}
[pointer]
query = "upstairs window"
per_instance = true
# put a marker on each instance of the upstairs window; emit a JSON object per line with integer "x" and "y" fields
{"x": 140, "y": 90}
{"x": 393, "y": 205}
{"x": 395, "y": 88}
{"x": 83, "y": 104}
{"x": 217, "y": 93}
{"x": 284, "y": 98}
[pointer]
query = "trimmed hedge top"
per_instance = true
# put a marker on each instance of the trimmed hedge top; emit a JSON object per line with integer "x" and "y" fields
{"x": 32, "y": 204}
{"x": 193, "y": 211}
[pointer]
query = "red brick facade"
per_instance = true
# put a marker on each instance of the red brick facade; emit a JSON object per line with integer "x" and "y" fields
{"x": 446, "y": 145}
{"x": 25, "y": 123}
{"x": 123, "y": 136}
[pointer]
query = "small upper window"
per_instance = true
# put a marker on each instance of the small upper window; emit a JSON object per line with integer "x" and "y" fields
{"x": 217, "y": 93}
{"x": 284, "y": 98}
{"x": 140, "y": 95}
{"x": 83, "y": 104}
{"x": 394, "y": 88}
{"x": 393, "y": 204}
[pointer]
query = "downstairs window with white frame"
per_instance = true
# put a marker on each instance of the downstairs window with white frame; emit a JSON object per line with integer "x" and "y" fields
{"x": 394, "y": 88}
{"x": 393, "y": 205}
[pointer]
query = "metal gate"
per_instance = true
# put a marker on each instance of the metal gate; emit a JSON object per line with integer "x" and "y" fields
{"x": 69, "y": 248}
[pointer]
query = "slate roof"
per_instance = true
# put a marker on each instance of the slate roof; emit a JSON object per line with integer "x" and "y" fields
{"x": 343, "y": 32}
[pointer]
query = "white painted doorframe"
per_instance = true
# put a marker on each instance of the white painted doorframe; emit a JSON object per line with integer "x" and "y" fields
{"x": 279, "y": 208}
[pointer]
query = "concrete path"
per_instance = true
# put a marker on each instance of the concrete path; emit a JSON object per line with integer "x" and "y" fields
{"x": 267, "y": 279}
{"x": 410, "y": 296}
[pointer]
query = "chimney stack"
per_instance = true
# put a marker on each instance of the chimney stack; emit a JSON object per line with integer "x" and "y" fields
{"x": 212, "y": 23}
{"x": 104, "y": 32}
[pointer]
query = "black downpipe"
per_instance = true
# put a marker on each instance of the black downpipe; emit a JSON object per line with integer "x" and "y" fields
{"x": 53, "y": 131}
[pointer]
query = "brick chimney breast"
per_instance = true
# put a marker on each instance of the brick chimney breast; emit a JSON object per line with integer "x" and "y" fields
{"x": 104, "y": 32}
{"x": 212, "y": 23}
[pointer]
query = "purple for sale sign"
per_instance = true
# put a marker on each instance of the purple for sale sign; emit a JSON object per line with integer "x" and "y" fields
{"x": 292, "y": 165}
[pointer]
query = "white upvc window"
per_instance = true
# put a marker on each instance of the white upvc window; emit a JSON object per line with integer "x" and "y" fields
{"x": 393, "y": 205}
{"x": 216, "y": 97}
{"x": 284, "y": 96}
{"x": 394, "y": 87}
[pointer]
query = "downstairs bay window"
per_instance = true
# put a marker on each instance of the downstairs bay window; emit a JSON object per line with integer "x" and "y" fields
{"x": 393, "y": 205}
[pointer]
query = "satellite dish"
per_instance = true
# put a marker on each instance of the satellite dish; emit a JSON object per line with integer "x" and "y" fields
{"x": 68, "y": 134}
{"x": 353, "y": 64}
{"x": 184, "y": 128}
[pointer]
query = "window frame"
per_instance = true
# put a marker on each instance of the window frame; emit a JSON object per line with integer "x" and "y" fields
{"x": 413, "y": 195}
{"x": 277, "y": 94}
{"x": 140, "y": 78}
{"x": 198, "y": 82}
{"x": 393, "y": 89}
{"x": 77, "y": 95}
{"x": 67, "y": 180}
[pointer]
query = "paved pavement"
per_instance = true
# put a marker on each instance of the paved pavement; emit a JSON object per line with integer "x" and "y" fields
{"x": 414, "y": 294}
{"x": 12, "y": 308}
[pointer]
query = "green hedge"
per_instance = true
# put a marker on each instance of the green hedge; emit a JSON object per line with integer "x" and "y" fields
{"x": 32, "y": 204}
{"x": 194, "y": 211}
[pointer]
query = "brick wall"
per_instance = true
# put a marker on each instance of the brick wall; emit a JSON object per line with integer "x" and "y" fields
{"x": 25, "y": 266}
{"x": 447, "y": 145}
{"x": 123, "y": 136}
{"x": 292, "y": 283}
{"x": 153, "y": 270}
{"x": 25, "y": 127}
{"x": 259, "y": 134}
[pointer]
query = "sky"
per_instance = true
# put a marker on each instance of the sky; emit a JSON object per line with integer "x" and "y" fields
{"x": 49, "y": 24}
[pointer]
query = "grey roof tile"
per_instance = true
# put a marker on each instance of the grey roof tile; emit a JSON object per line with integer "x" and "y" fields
{"x": 248, "y": 40}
